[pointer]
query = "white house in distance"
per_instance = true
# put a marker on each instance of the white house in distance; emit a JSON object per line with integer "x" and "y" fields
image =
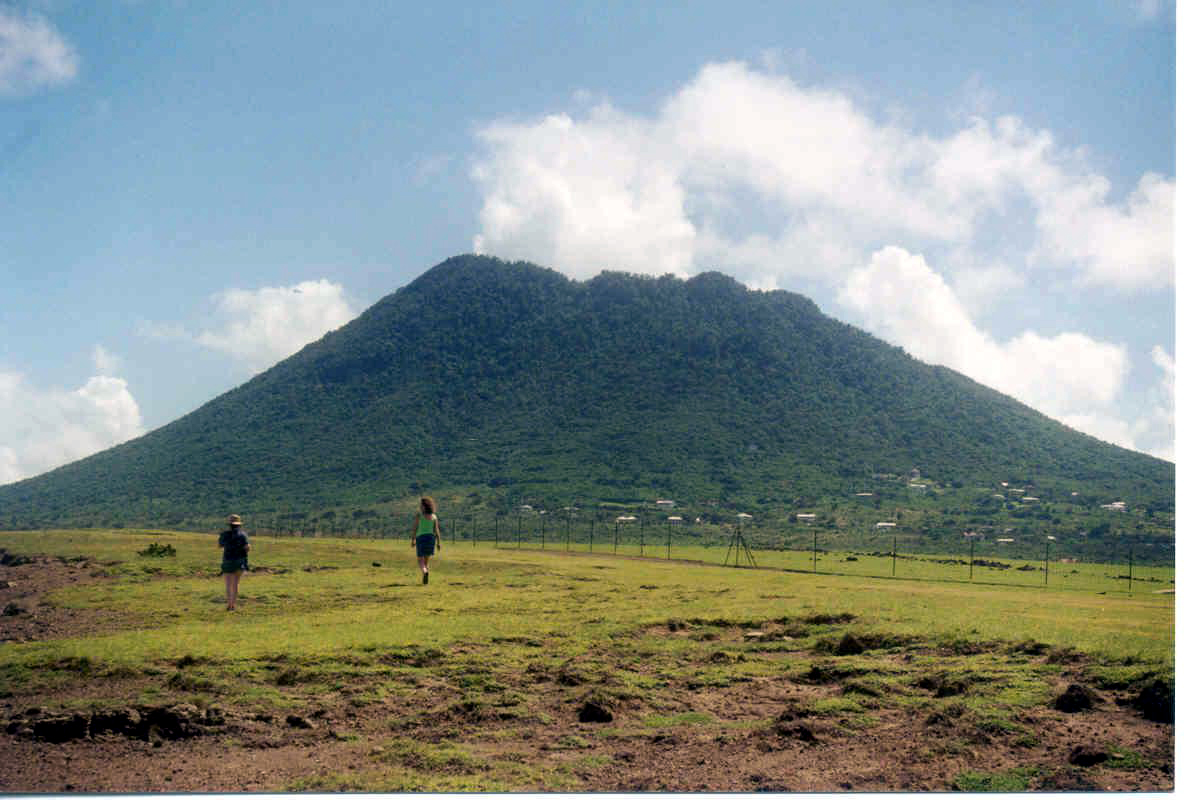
{"x": 666, "y": 503}
{"x": 1118, "y": 505}
{"x": 805, "y": 517}
{"x": 883, "y": 525}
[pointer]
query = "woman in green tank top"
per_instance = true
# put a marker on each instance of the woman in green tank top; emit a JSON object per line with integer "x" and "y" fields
{"x": 425, "y": 535}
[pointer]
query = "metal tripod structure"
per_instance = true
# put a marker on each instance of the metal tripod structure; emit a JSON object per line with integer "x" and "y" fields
{"x": 739, "y": 547}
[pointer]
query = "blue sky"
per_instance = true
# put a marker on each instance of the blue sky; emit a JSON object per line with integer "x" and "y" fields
{"x": 191, "y": 191}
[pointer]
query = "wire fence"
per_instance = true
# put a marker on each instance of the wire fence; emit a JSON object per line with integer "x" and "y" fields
{"x": 798, "y": 548}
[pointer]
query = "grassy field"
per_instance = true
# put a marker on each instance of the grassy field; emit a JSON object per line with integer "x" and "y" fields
{"x": 348, "y": 619}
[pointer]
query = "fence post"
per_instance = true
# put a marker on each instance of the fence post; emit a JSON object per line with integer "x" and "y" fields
{"x": 972, "y": 542}
{"x": 893, "y": 554}
{"x": 496, "y": 531}
{"x": 1131, "y": 570}
{"x": 813, "y": 549}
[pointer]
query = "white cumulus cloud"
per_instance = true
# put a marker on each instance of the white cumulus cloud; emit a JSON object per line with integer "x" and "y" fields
{"x": 599, "y": 194}
{"x": 1158, "y": 426}
{"x": 1070, "y": 377}
{"x": 41, "y": 429}
{"x": 259, "y": 327}
{"x": 32, "y": 54}
{"x": 753, "y": 172}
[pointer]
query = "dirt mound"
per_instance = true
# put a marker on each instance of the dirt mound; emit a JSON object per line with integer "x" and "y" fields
{"x": 948, "y": 717}
{"x": 943, "y": 685}
{"x": 852, "y": 644}
{"x": 844, "y": 618}
{"x": 1087, "y": 756}
{"x": 796, "y": 730}
{"x": 1077, "y": 698}
{"x": 595, "y": 711}
{"x": 819, "y": 674}
{"x": 414, "y": 656}
{"x": 180, "y": 721}
{"x": 8, "y": 559}
{"x": 1156, "y": 701}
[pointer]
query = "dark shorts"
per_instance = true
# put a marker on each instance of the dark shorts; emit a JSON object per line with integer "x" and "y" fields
{"x": 235, "y": 565}
{"x": 426, "y": 545}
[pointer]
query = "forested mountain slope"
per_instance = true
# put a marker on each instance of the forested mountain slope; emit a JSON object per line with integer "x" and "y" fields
{"x": 510, "y": 380}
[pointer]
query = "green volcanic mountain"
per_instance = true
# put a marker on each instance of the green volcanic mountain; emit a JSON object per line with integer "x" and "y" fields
{"x": 506, "y": 383}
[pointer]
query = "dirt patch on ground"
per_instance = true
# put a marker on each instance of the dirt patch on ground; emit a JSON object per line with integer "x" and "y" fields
{"x": 26, "y": 613}
{"x": 760, "y": 707}
{"x": 241, "y": 755}
{"x": 757, "y": 735}
{"x": 792, "y": 749}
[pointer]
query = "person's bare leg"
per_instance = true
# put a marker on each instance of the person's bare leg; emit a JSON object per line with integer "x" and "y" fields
{"x": 235, "y": 576}
{"x": 228, "y": 578}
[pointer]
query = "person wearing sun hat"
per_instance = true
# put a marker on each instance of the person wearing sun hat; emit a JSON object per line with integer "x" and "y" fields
{"x": 234, "y": 543}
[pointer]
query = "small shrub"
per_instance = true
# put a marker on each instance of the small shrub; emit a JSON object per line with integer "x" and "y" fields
{"x": 158, "y": 550}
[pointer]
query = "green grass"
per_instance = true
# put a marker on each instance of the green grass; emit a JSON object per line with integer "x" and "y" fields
{"x": 1011, "y": 780}
{"x": 648, "y": 636}
{"x": 479, "y": 594}
{"x": 1123, "y": 758}
{"x": 679, "y": 720}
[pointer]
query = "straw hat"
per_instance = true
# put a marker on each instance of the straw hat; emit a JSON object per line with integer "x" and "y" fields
{"x": 234, "y": 520}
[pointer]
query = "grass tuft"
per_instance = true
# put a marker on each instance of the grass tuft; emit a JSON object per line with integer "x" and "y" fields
{"x": 1017, "y": 779}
